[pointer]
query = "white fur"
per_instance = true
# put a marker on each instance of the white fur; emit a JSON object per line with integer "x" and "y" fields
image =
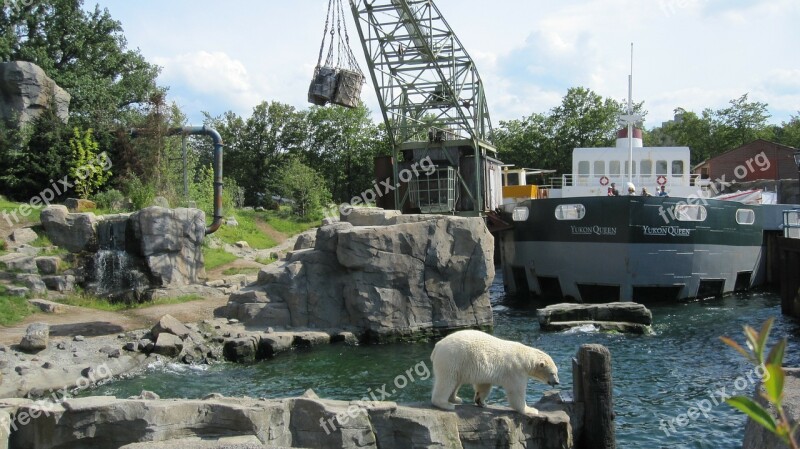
{"x": 477, "y": 358}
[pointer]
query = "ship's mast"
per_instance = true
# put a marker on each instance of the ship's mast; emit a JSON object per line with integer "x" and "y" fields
{"x": 630, "y": 119}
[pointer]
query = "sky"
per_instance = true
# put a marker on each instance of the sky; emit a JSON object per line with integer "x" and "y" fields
{"x": 230, "y": 56}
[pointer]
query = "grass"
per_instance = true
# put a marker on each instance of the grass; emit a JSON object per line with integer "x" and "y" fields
{"x": 216, "y": 257}
{"x": 266, "y": 260}
{"x": 13, "y": 309}
{"x": 241, "y": 270}
{"x": 93, "y": 302}
{"x": 247, "y": 231}
{"x": 11, "y": 208}
{"x": 288, "y": 224}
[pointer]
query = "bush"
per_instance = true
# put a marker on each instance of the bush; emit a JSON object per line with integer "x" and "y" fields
{"x": 141, "y": 194}
{"x": 112, "y": 200}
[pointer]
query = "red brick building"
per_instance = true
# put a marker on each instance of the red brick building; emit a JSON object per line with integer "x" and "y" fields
{"x": 757, "y": 160}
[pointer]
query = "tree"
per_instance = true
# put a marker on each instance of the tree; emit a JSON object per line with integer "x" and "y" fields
{"x": 89, "y": 169}
{"x": 255, "y": 147}
{"x": 583, "y": 119}
{"x": 342, "y": 144}
{"x": 84, "y": 52}
{"x": 305, "y": 187}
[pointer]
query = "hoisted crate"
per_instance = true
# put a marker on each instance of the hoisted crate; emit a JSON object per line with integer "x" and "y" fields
{"x": 339, "y": 80}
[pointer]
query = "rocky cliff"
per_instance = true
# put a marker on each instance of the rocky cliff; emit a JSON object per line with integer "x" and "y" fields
{"x": 25, "y": 91}
{"x": 398, "y": 277}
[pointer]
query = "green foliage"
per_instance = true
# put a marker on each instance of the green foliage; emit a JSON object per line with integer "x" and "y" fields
{"x": 13, "y": 309}
{"x": 42, "y": 241}
{"x": 141, "y": 194}
{"x": 285, "y": 222}
{"x": 247, "y": 231}
{"x": 266, "y": 260}
{"x": 89, "y": 169}
{"x": 773, "y": 382}
{"x": 241, "y": 270}
{"x": 305, "y": 187}
{"x": 216, "y": 257}
{"x": 583, "y": 119}
{"x": 110, "y": 200}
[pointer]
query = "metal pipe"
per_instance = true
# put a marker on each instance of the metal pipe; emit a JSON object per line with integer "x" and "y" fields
{"x": 205, "y": 131}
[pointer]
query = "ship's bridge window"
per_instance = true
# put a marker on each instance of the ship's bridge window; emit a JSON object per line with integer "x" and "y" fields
{"x": 646, "y": 167}
{"x": 583, "y": 169}
{"x": 661, "y": 168}
{"x": 570, "y": 212}
{"x": 690, "y": 212}
{"x": 677, "y": 169}
{"x": 599, "y": 168}
{"x": 613, "y": 168}
{"x": 745, "y": 216}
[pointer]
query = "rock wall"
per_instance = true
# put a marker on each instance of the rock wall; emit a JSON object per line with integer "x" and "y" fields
{"x": 401, "y": 278}
{"x": 25, "y": 91}
{"x": 303, "y": 422}
{"x": 166, "y": 242}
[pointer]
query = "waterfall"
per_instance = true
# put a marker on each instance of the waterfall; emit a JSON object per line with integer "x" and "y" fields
{"x": 115, "y": 271}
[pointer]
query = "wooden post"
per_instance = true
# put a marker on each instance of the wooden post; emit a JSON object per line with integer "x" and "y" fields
{"x": 592, "y": 386}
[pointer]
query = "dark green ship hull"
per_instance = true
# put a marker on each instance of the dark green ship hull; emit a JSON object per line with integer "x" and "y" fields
{"x": 639, "y": 249}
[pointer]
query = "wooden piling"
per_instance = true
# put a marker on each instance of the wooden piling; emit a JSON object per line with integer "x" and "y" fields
{"x": 592, "y": 385}
{"x": 789, "y": 256}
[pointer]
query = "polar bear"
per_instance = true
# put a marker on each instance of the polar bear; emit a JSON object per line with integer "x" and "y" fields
{"x": 477, "y": 358}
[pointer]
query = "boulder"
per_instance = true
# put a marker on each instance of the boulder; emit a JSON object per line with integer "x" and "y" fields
{"x": 171, "y": 240}
{"x": 170, "y": 325}
{"x": 305, "y": 240}
{"x": 17, "y": 291}
{"x": 18, "y": 262}
{"x": 60, "y": 283}
{"x": 46, "y": 306}
{"x": 426, "y": 275}
{"x": 36, "y": 337}
{"x": 73, "y": 232}
{"x": 168, "y": 345}
{"x": 240, "y": 350}
{"x": 22, "y": 236}
{"x": 47, "y": 264}
{"x": 370, "y": 216}
{"x": 26, "y": 91}
{"x": 617, "y": 316}
{"x": 301, "y": 422}
{"x": 80, "y": 205}
{"x": 33, "y": 283}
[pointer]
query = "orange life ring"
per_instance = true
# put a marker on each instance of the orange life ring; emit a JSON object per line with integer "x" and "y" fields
{"x": 603, "y": 181}
{"x": 661, "y": 180}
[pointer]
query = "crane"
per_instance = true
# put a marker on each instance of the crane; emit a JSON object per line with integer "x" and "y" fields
{"x": 433, "y": 104}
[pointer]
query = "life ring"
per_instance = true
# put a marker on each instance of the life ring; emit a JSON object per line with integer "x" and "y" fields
{"x": 603, "y": 181}
{"x": 661, "y": 180}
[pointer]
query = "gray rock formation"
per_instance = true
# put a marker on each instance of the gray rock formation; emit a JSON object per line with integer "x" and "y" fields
{"x": 171, "y": 242}
{"x": 618, "y": 316}
{"x": 22, "y": 236}
{"x": 303, "y": 422}
{"x": 36, "y": 337}
{"x": 406, "y": 275}
{"x": 25, "y": 91}
{"x": 162, "y": 246}
{"x": 73, "y": 232}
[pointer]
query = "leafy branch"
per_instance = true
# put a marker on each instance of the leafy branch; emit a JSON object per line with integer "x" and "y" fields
{"x": 773, "y": 381}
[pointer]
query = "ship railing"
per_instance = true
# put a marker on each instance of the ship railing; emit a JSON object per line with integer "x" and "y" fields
{"x": 604, "y": 179}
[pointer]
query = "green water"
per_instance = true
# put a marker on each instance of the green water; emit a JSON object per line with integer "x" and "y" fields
{"x": 656, "y": 377}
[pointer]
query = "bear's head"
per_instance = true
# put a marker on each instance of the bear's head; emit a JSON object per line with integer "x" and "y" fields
{"x": 544, "y": 369}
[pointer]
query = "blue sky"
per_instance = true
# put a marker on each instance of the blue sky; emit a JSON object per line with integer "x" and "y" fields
{"x": 219, "y": 56}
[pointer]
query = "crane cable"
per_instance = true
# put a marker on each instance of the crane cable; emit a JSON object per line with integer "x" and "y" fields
{"x": 339, "y": 50}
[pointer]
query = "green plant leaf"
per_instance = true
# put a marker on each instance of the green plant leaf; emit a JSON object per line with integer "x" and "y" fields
{"x": 755, "y": 411}
{"x": 774, "y": 384}
{"x": 763, "y": 336}
{"x": 775, "y": 356}
{"x": 736, "y": 346}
